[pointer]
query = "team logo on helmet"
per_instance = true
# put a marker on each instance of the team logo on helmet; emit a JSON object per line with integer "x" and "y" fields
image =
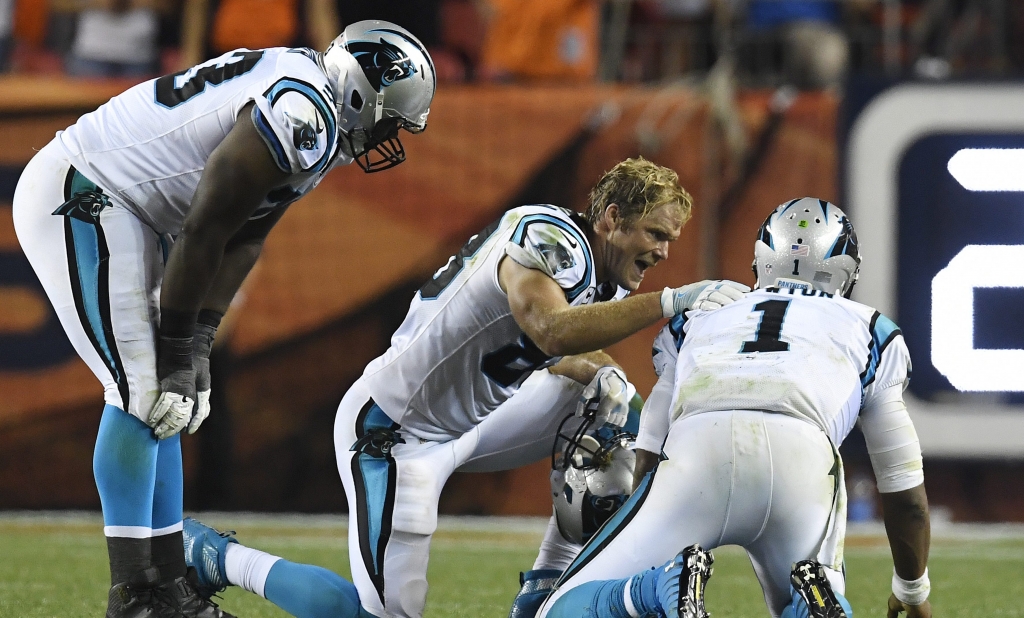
{"x": 846, "y": 243}
{"x": 383, "y": 63}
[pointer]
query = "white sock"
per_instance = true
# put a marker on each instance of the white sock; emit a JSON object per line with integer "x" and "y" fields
{"x": 555, "y": 551}
{"x": 247, "y": 567}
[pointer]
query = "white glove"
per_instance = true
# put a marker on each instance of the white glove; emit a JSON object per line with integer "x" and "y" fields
{"x": 170, "y": 414}
{"x": 703, "y": 295}
{"x": 607, "y": 397}
{"x": 177, "y": 375}
{"x": 202, "y": 346}
{"x": 202, "y": 410}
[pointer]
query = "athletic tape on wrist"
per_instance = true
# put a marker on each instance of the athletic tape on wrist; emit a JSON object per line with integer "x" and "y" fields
{"x": 667, "y": 308}
{"x": 914, "y": 592}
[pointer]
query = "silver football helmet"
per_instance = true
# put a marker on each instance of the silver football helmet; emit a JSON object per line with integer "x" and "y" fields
{"x": 807, "y": 242}
{"x": 591, "y": 477}
{"x": 384, "y": 81}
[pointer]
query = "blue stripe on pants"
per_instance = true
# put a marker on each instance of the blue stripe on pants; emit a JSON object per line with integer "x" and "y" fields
{"x": 375, "y": 476}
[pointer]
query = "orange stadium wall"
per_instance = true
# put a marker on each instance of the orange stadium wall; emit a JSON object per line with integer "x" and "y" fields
{"x": 337, "y": 275}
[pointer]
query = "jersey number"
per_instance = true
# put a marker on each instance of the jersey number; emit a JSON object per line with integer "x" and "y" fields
{"x": 170, "y": 96}
{"x": 766, "y": 339}
{"x": 433, "y": 288}
{"x": 509, "y": 364}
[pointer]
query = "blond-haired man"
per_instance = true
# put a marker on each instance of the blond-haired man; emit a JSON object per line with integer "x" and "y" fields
{"x": 464, "y": 383}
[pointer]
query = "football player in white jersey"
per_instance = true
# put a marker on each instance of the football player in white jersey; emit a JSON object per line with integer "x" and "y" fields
{"x": 498, "y": 346}
{"x": 142, "y": 219}
{"x": 752, "y": 403}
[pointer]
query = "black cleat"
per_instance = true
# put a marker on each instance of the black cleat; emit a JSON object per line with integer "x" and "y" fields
{"x": 682, "y": 582}
{"x": 134, "y": 598}
{"x": 180, "y": 599}
{"x": 811, "y": 583}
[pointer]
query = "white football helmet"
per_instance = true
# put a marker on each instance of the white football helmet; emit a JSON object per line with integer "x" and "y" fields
{"x": 384, "y": 81}
{"x": 804, "y": 243}
{"x": 591, "y": 477}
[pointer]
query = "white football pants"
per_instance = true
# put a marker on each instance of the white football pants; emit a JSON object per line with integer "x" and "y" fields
{"x": 770, "y": 483}
{"x": 101, "y": 269}
{"x": 393, "y": 488}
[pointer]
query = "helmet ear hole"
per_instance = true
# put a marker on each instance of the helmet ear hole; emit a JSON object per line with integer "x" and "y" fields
{"x": 356, "y": 101}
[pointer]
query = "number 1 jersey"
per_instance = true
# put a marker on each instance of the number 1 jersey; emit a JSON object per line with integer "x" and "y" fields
{"x": 149, "y": 145}
{"x": 459, "y": 353}
{"x": 798, "y": 353}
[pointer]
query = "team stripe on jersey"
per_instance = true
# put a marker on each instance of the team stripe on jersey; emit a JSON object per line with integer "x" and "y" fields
{"x": 89, "y": 271}
{"x": 883, "y": 331}
{"x": 271, "y": 139}
{"x": 520, "y": 234}
{"x": 611, "y": 528}
{"x": 675, "y": 327}
{"x": 289, "y": 84}
{"x": 375, "y": 479}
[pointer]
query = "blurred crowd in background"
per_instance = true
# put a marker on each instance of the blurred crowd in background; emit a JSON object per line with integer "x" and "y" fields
{"x": 805, "y": 43}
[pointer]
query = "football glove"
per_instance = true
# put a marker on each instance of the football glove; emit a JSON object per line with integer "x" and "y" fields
{"x": 177, "y": 375}
{"x": 607, "y": 397}
{"x": 202, "y": 345}
{"x": 703, "y": 295}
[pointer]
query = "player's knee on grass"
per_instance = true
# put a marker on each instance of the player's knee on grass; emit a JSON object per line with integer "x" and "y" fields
{"x": 308, "y": 591}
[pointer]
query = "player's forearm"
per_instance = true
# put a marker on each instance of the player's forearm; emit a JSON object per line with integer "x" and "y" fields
{"x": 191, "y": 269}
{"x": 576, "y": 330}
{"x": 234, "y": 268}
{"x": 909, "y": 530}
{"x": 237, "y": 178}
{"x": 583, "y": 367}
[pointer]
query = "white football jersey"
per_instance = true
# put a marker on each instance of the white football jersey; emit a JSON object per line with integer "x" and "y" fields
{"x": 149, "y": 145}
{"x": 804, "y": 354}
{"x": 460, "y": 353}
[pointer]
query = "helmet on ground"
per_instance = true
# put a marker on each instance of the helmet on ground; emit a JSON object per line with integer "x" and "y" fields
{"x": 384, "y": 81}
{"x": 804, "y": 243}
{"x": 591, "y": 477}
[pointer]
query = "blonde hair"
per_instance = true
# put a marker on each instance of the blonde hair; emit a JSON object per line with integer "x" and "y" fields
{"x": 638, "y": 187}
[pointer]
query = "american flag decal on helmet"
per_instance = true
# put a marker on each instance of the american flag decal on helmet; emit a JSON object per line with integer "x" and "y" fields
{"x": 799, "y": 250}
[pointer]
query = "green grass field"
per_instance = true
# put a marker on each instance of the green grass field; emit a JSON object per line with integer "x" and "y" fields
{"x": 55, "y": 566}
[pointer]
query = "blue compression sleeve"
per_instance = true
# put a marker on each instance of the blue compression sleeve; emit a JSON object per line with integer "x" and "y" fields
{"x": 169, "y": 488}
{"x": 124, "y": 465}
{"x": 606, "y": 598}
{"x": 307, "y": 591}
{"x": 599, "y": 599}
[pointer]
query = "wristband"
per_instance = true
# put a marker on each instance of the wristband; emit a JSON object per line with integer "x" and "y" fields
{"x": 173, "y": 354}
{"x": 210, "y": 317}
{"x": 667, "y": 306}
{"x": 178, "y": 324}
{"x": 914, "y": 592}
